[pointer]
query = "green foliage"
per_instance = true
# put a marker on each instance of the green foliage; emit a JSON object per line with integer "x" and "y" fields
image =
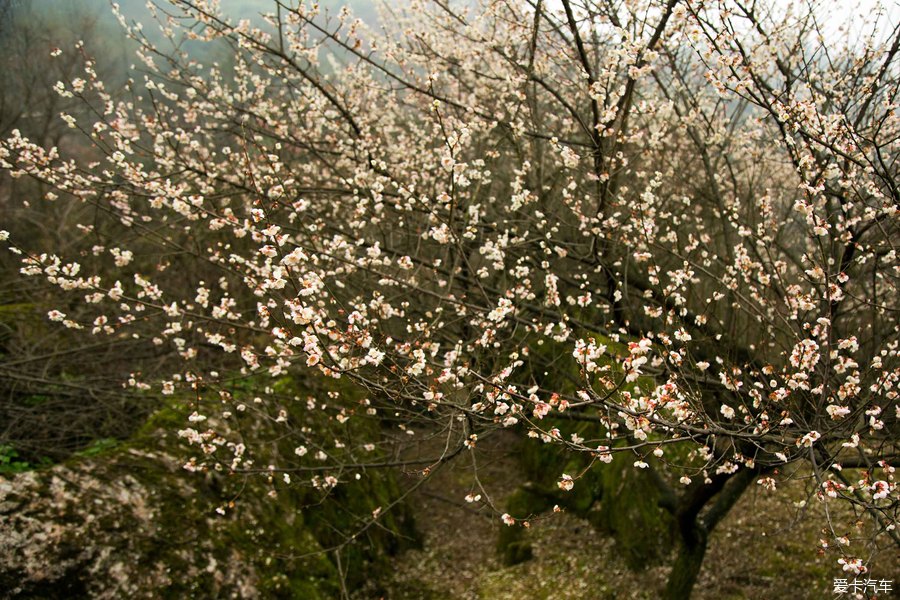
{"x": 11, "y": 462}
{"x": 99, "y": 446}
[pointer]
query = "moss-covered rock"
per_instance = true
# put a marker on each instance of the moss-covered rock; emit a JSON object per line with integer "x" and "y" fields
{"x": 512, "y": 543}
{"x": 127, "y": 520}
{"x": 627, "y": 507}
{"x": 616, "y": 498}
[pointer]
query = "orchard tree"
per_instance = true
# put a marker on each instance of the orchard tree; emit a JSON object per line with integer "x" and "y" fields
{"x": 59, "y": 391}
{"x": 675, "y": 220}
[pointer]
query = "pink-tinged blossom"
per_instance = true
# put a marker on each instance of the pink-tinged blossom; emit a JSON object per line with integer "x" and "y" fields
{"x": 472, "y": 268}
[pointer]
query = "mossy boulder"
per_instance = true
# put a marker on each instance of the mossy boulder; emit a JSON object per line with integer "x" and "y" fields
{"x": 513, "y": 544}
{"x": 616, "y": 498}
{"x": 129, "y": 521}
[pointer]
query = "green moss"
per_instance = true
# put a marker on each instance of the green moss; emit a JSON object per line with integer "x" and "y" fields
{"x": 283, "y": 534}
{"x": 14, "y": 313}
{"x": 171, "y": 417}
{"x": 616, "y": 498}
{"x": 628, "y": 509}
{"x": 341, "y": 518}
{"x": 98, "y": 447}
{"x": 513, "y": 544}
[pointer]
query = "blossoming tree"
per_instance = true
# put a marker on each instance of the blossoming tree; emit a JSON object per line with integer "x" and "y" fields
{"x": 673, "y": 219}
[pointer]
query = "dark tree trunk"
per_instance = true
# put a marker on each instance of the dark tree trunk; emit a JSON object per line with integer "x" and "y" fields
{"x": 687, "y": 564}
{"x": 718, "y": 497}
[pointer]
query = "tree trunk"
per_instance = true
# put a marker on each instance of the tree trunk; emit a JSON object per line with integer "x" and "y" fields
{"x": 723, "y": 492}
{"x": 687, "y": 564}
